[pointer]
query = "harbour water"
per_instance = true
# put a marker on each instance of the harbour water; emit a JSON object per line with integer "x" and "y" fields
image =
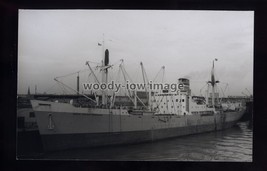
{"x": 234, "y": 144}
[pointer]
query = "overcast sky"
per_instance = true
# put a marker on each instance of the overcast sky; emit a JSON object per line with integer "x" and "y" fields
{"x": 53, "y": 43}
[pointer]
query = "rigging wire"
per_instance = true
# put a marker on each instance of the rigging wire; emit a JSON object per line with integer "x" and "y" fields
{"x": 80, "y": 71}
{"x": 157, "y": 75}
{"x": 70, "y": 74}
{"x": 64, "y": 85}
{"x": 50, "y": 88}
{"x": 202, "y": 88}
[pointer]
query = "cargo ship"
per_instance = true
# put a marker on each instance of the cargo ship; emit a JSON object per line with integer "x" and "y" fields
{"x": 166, "y": 115}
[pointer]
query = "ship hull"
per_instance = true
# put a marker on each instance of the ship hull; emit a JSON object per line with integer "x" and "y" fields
{"x": 84, "y": 140}
{"x": 64, "y": 127}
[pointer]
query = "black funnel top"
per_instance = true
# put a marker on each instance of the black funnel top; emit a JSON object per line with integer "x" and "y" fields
{"x": 106, "y": 57}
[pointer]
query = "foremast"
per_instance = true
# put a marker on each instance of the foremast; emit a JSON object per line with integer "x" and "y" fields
{"x": 213, "y": 83}
{"x": 104, "y": 72}
{"x": 104, "y": 69}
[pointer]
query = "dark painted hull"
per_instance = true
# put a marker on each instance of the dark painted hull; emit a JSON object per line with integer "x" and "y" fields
{"x": 68, "y": 141}
{"x": 63, "y": 126}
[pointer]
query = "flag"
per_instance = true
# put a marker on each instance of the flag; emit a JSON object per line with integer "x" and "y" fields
{"x": 99, "y": 44}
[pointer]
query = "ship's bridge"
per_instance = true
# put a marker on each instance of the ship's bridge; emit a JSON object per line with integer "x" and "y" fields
{"x": 168, "y": 102}
{"x": 186, "y": 86}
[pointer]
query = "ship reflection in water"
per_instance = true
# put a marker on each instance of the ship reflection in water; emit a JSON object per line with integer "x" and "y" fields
{"x": 234, "y": 144}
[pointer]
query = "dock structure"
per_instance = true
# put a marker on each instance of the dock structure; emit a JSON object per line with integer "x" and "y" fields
{"x": 238, "y": 98}
{"x": 142, "y": 95}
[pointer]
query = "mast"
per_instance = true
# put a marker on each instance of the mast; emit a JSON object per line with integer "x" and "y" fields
{"x": 105, "y": 67}
{"x": 103, "y": 73}
{"x": 29, "y": 92}
{"x": 213, "y": 83}
{"x": 78, "y": 83}
{"x": 104, "y": 70}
